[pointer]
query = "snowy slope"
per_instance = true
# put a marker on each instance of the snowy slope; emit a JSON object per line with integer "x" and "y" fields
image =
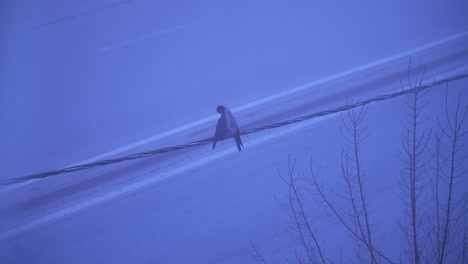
{"x": 67, "y": 97}
{"x": 193, "y": 202}
{"x": 201, "y": 206}
{"x": 211, "y": 214}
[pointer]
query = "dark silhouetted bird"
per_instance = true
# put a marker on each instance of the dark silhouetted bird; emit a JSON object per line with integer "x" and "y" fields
{"x": 227, "y": 127}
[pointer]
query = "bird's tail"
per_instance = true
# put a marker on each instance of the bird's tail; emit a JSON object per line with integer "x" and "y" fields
{"x": 238, "y": 140}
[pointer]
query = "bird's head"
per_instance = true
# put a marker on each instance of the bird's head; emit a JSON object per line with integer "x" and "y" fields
{"x": 220, "y": 109}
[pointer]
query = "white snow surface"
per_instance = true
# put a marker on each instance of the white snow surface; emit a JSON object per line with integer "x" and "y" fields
{"x": 86, "y": 81}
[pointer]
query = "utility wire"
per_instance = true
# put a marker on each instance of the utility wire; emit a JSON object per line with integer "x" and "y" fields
{"x": 246, "y": 132}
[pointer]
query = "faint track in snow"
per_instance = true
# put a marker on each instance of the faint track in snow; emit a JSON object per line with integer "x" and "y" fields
{"x": 149, "y": 36}
{"x": 77, "y": 15}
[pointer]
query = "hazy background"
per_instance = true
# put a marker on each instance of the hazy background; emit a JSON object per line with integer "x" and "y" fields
{"x": 84, "y": 77}
{"x": 80, "y": 78}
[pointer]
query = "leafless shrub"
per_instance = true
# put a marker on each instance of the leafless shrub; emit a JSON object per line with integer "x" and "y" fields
{"x": 254, "y": 253}
{"x": 448, "y": 219}
{"x": 413, "y": 177}
{"x": 298, "y": 220}
{"x": 435, "y": 214}
{"x": 355, "y": 220}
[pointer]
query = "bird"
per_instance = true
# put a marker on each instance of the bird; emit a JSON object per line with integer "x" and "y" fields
{"x": 227, "y": 127}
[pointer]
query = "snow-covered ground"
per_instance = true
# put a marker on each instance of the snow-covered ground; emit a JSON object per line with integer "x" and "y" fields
{"x": 85, "y": 79}
{"x": 94, "y": 76}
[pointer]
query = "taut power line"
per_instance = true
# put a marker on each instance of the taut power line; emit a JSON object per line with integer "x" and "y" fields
{"x": 151, "y": 153}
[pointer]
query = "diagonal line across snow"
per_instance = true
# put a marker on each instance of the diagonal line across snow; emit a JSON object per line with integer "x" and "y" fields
{"x": 185, "y": 164}
{"x": 388, "y": 59}
{"x": 247, "y": 107}
{"x": 126, "y": 189}
{"x": 149, "y": 36}
{"x": 276, "y": 96}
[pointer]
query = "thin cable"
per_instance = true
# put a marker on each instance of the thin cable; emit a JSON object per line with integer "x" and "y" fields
{"x": 355, "y": 105}
{"x": 151, "y": 153}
